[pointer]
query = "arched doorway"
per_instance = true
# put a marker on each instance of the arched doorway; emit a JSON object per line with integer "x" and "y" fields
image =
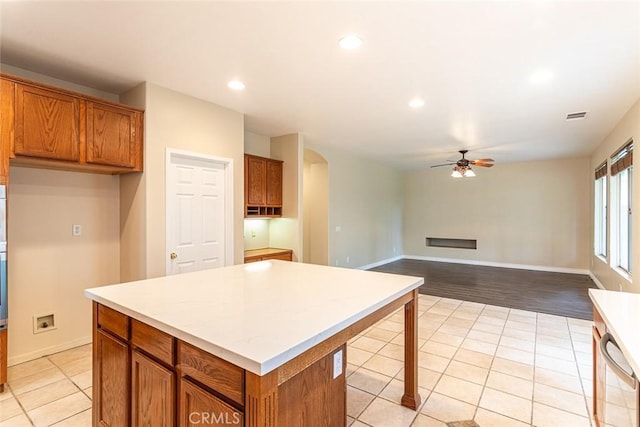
{"x": 315, "y": 196}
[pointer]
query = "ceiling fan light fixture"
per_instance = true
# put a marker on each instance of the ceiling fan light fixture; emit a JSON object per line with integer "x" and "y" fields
{"x": 456, "y": 172}
{"x": 469, "y": 173}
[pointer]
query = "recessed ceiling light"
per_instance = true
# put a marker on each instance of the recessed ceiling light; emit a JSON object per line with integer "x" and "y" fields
{"x": 541, "y": 76}
{"x": 350, "y": 42}
{"x": 416, "y": 103}
{"x": 235, "y": 85}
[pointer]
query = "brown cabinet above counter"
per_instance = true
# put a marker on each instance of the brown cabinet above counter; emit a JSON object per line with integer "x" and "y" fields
{"x": 262, "y": 187}
{"x": 44, "y": 126}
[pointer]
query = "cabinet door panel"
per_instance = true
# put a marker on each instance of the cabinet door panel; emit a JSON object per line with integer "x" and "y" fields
{"x": 110, "y": 381}
{"x": 274, "y": 183}
{"x": 111, "y": 135}
{"x": 152, "y": 392}
{"x": 197, "y": 408}
{"x": 255, "y": 180}
{"x": 47, "y": 124}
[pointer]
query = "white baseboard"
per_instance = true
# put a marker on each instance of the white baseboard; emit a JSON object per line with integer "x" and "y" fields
{"x": 21, "y": 358}
{"x": 596, "y": 281}
{"x": 500, "y": 264}
{"x": 379, "y": 263}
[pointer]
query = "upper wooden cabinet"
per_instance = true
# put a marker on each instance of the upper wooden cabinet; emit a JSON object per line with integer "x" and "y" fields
{"x": 59, "y": 129}
{"x": 47, "y": 124}
{"x": 262, "y": 186}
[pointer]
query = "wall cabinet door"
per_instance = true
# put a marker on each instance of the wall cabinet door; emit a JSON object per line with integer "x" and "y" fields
{"x": 111, "y": 135}
{"x": 274, "y": 183}
{"x": 110, "y": 381}
{"x": 47, "y": 124}
{"x": 198, "y": 407}
{"x": 152, "y": 392}
{"x": 255, "y": 180}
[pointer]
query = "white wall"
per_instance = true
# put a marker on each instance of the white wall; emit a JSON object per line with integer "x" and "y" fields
{"x": 628, "y": 128}
{"x": 526, "y": 214}
{"x": 48, "y": 267}
{"x": 175, "y": 120}
{"x": 365, "y": 202}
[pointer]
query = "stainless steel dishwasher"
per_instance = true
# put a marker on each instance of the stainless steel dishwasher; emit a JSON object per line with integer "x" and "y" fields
{"x": 622, "y": 395}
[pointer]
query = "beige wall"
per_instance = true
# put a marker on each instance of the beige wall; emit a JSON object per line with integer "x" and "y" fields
{"x": 528, "y": 214}
{"x": 286, "y": 232}
{"x": 365, "y": 202}
{"x": 174, "y": 120}
{"x": 258, "y": 145}
{"x": 21, "y": 72}
{"x": 626, "y": 129}
{"x": 48, "y": 267}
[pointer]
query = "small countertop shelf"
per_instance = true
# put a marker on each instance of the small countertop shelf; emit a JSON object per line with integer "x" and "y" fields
{"x": 257, "y": 316}
{"x": 265, "y": 251}
{"x": 621, "y": 313}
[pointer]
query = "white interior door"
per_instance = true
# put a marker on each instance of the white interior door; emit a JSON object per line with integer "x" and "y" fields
{"x": 197, "y": 212}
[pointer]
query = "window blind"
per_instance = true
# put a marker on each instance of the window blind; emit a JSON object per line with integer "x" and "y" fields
{"x": 601, "y": 170}
{"x": 622, "y": 159}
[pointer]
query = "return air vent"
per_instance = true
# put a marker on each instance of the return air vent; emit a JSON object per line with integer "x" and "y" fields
{"x": 576, "y": 116}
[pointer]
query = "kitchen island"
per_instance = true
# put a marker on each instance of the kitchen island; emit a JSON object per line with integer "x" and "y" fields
{"x": 261, "y": 344}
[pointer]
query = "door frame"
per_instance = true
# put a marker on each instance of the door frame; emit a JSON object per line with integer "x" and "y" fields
{"x": 227, "y": 163}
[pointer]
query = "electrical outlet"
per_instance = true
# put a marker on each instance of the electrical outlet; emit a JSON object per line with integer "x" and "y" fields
{"x": 76, "y": 230}
{"x": 337, "y": 262}
{"x": 347, "y": 260}
{"x": 337, "y": 364}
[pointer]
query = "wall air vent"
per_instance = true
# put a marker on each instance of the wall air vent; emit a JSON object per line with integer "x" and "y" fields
{"x": 576, "y": 116}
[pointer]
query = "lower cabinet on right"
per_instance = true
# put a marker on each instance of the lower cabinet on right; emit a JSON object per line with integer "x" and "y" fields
{"x": 198, "y": 407}
{"x": 152, "y": 398}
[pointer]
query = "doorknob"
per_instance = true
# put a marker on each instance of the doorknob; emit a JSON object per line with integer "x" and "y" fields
{"x": 173, "y": 255}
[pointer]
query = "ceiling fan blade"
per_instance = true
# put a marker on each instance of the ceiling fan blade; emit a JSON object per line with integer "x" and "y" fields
{"x": 484, "y": 160}
{"x": 482, "y": 164}
{"x": 444, "y": 164}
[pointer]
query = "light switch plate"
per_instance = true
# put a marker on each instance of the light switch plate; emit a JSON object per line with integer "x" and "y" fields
{"x": 76, "y": 229}
{"x": 337, "y": 364}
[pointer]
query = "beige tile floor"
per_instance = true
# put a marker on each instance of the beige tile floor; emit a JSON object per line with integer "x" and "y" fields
{"x": 498, "y": 366}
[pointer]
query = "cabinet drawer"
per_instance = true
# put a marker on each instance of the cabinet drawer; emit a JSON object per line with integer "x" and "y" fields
{"x": 197, "y": 407}
{"x": 599, "y": 322}
{"x": 114, "y": 322}
{"x": 153, "y": 341}
{"x": 220, "y": 375}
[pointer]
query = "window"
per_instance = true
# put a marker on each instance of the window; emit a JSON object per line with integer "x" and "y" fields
{"x": 600, "y": 211}
{"x": 621, "y": 202}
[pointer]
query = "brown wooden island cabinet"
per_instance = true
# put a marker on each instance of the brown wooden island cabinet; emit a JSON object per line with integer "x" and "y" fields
{"x": 145, "y": 377}
{"x": 284, "y": 366}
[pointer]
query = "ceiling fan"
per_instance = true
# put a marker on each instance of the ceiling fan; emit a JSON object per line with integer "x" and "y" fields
{"x": 462, "y": 167}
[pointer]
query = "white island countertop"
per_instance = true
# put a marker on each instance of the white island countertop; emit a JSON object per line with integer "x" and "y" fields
{"x": 621, "y": 313}
{"x": 257, "y": 316}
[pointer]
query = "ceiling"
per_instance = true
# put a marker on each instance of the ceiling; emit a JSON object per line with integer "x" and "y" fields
{"x": 471, "y": 62}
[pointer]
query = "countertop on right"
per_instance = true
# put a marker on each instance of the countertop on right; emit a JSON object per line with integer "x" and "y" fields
{"x": 621, "y": 313}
